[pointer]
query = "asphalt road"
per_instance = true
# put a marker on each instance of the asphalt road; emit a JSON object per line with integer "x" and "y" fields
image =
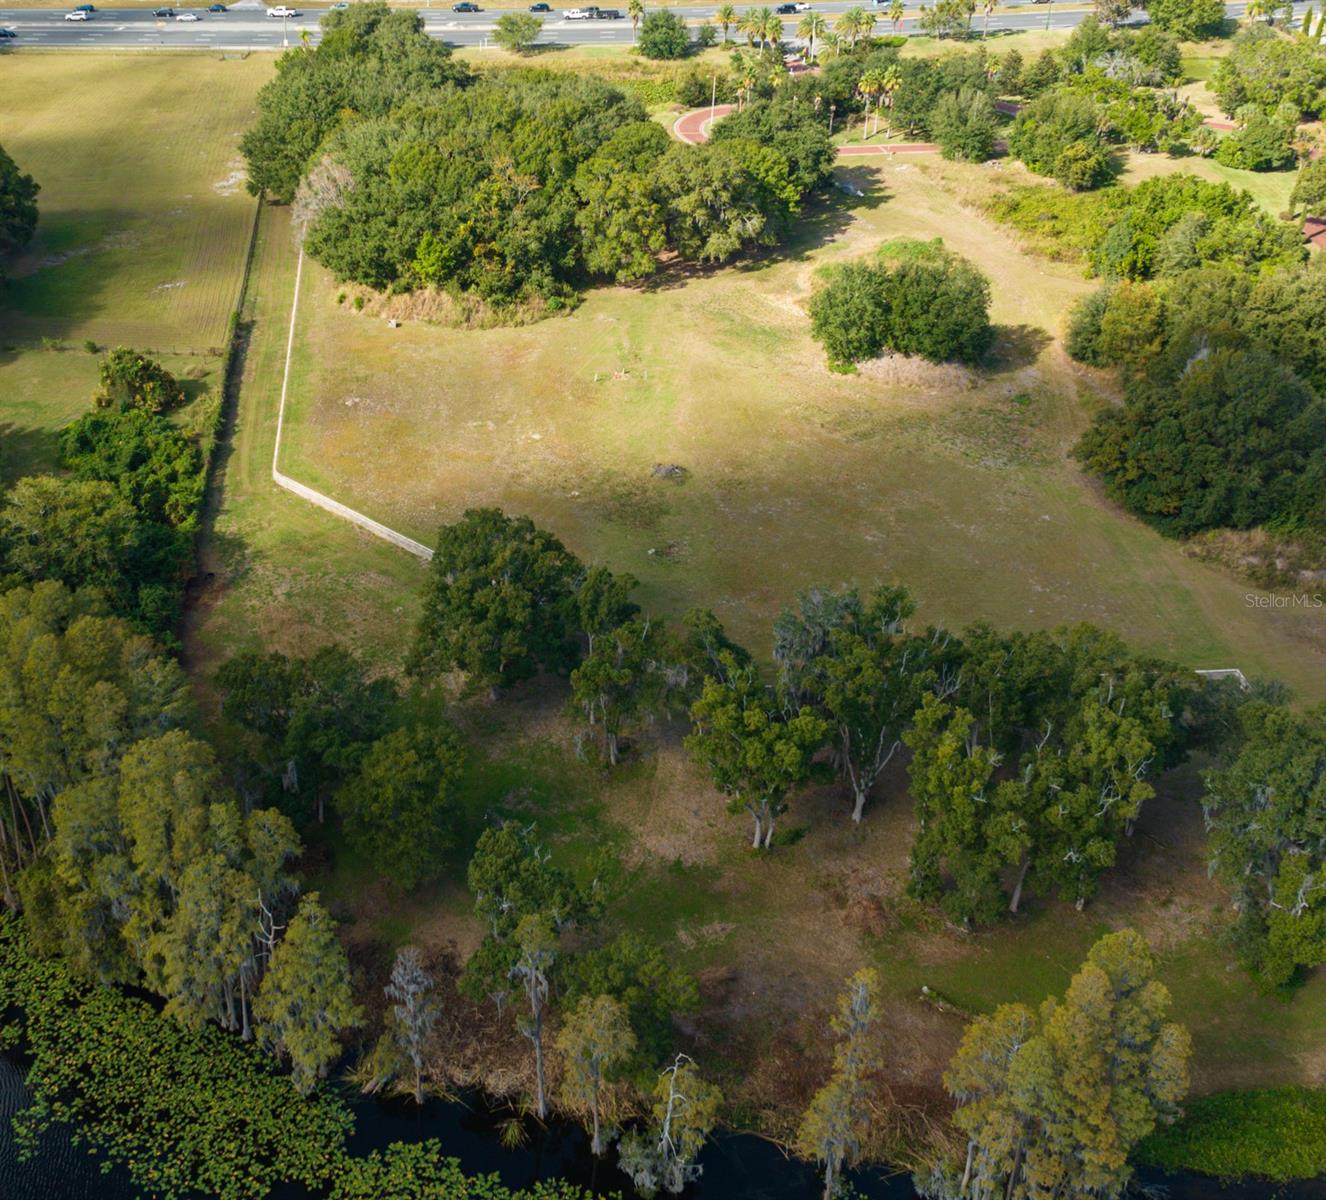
{"x": 247, "y": 27}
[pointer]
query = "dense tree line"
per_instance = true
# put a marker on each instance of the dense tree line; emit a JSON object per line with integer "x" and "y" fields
{"x": 914, "y": 298}
{"x": 1223, "y": 425}
{"x": 133, "y": 857}
{"x": 367, "y": 61}
{"x": 1162, "y": 226}
{"x": 515, "y": 188}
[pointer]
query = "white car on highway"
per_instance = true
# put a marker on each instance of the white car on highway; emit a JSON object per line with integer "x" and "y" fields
{"x": 78, "y": 15}
{"x": 187, "y": 16}
{"x": 281, "y": 11}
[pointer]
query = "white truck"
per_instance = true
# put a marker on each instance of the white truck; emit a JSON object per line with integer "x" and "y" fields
{"x": 580, "y": 14}
{"x": 282, "y": 11}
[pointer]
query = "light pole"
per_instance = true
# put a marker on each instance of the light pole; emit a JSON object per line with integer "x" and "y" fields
{"x": 713, "y": 96}
{"x": 285, "y": 29}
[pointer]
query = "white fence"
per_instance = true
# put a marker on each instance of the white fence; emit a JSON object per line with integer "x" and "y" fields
{"x": 335, "y": 507}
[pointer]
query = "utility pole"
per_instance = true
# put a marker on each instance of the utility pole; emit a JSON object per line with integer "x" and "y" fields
{"x": 713, "y": 96}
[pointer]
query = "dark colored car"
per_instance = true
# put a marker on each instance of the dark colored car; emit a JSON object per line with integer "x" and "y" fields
{"x": 85, "y": 8}
{"x": 163, "y": 12}
{"x": 8, "y": 33}
{"x": 540, "y": 8}
{"x": 784, "y": 9}
{"x": 466, "y": 7}
{"x": 217, "y": 8}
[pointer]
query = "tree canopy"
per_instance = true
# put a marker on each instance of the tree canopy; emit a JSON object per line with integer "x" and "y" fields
{"x": 368, "y": 61}
{"x": 18, "y": 208}
{"x": 1053, "y": 1102}
{"x": 916, "y": 298}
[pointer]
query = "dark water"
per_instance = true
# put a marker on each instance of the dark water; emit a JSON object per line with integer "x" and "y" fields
{"x": 736, "y": 1167}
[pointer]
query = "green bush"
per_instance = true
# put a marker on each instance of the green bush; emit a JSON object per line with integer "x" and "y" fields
{"x": 1261, "y": 145}
{"x": 130, "y": 379}
{"x": 1057, "y": 134}
{"x": 918, "y": 298}
{"x": 663, "y": 34}
{"x": 964, "y": 125}
{"x": 1266, "y": 68}
{"x": 1129, "y": 233}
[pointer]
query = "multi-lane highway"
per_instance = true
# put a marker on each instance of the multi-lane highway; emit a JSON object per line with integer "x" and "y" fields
{"x": 247, "y": 27}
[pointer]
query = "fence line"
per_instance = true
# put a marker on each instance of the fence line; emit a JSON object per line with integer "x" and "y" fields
{"x": 335, "y": 507}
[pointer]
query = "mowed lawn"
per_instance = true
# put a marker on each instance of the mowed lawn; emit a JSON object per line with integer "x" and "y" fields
{"x": 144, "y": 217}
{"x": 143, "y": 227}
{"x": 956, "y": 484}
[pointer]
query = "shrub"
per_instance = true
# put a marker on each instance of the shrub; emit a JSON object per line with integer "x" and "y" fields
{"x": 1265, "y": 68}
{"x": 517, "y": 32}
{"x": 1236, "y": 440}
{"x": 663, "y": 34}
{"x": 1058, "y": 135}
{"x": 964, "y": 125}
{"x": 918, "y": 298}
{"x": 130, "y": 379}
{"x": 849, "y": 315}
{"x": 1309, "y": 194}
{"x": 1261, "y": 145}
{"x": 1190, "y": 20}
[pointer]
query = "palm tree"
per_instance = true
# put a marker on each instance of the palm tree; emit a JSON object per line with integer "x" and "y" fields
{"x": 752, "y": 25}
{"x": 635, "y": 9}
{"x": 890, "y": 81}
{"x": 726, "y": 16}
{"x": 847, "y": 25}
{"x": 773, "y": 29}
{"x": 812, "y": 26}
{"x": 896, "y": 10}
{"x": 989, "y": 8}
{"x": 868, "y": 87}
{"x": 856, "y": 23}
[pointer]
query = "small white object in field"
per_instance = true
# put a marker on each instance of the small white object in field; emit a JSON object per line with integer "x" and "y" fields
{"x": 392, "y": 324}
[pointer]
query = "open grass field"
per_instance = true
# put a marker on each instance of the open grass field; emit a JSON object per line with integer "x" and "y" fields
{"x": 143, "y": 228}
{"x": 144, "y": 216}
{"x": 955, "y": 483}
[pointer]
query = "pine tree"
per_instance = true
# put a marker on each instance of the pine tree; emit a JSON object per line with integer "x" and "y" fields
{"x": 685, "y": 1111}
{"x": 305, "y": 1000}
{"x": 536, "y": 950}
{"x": 1053, "y": 1104}
{"x": 834, "y": 1126}
{"x": 595, "y": 1038}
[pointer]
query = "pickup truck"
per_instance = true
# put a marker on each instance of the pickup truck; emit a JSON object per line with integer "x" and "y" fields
{"x": 282, "y": 11}
{"x": 581, "y": 14}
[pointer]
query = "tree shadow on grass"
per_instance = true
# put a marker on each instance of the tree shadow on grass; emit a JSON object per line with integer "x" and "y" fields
{"x": 26, "y": 452}
{"x": 826, "y": 216}
{"x": 1015, "y": 347}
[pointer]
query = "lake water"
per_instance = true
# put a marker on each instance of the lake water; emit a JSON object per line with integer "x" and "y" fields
{"x": 736, "y": 1167}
